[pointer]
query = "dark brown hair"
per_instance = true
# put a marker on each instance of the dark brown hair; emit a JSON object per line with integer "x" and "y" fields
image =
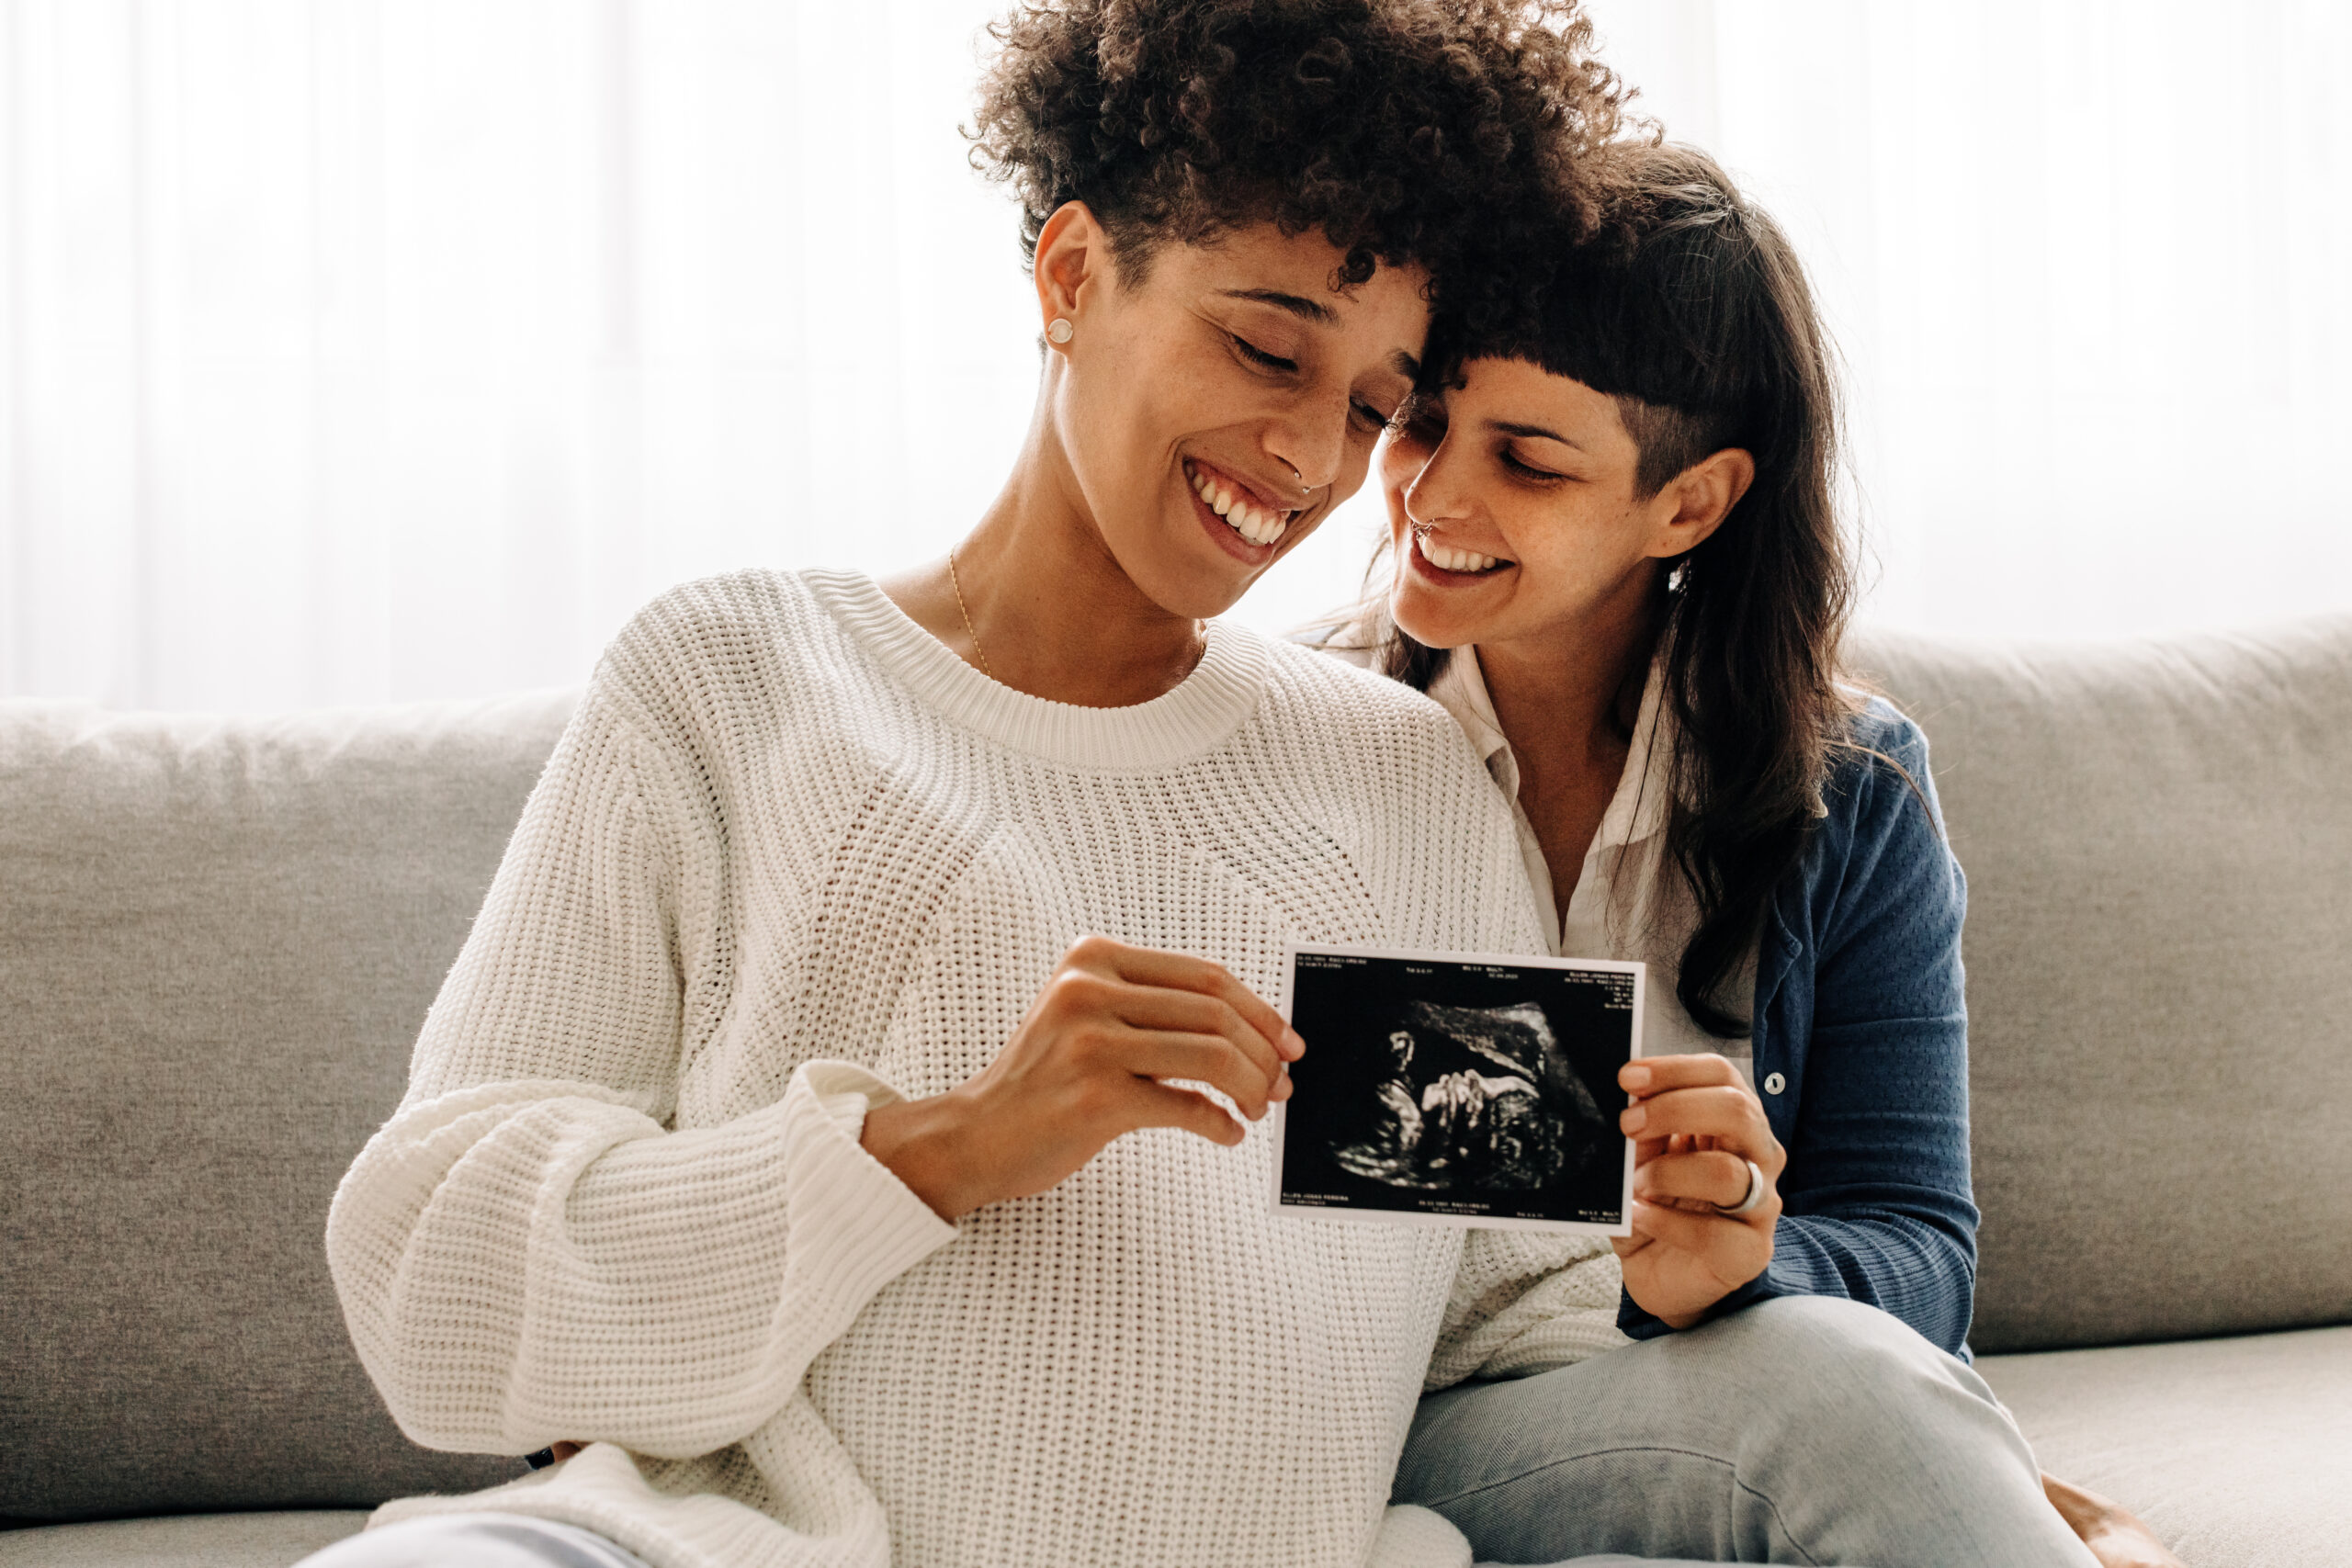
{"x": 1688, "y": 305}
{"x": 1432, "y": 131}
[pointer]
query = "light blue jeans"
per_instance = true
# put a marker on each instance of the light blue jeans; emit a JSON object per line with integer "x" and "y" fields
{"x": 1798, "y": 1430}
{"x": 1801, "y": 1429}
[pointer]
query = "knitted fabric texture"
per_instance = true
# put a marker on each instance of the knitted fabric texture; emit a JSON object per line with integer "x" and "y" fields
{"x": 793, "y": 859}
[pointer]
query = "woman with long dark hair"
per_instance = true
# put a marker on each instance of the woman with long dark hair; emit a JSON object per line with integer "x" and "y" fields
{"x": 1618, "y": 561}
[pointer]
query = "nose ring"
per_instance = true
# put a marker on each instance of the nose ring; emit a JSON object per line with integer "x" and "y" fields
{"x": 1303, "y": 486}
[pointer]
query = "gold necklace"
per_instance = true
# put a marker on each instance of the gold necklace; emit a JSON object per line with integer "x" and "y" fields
{"x": 957, "y": 584}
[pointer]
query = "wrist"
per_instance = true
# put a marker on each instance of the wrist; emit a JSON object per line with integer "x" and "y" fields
{"x": 920, "y": 1142}
{"x": 1680, "y": 1312}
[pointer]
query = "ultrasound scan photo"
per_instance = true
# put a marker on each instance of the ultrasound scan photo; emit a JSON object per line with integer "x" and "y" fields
{"x": 1439, "y": 1089}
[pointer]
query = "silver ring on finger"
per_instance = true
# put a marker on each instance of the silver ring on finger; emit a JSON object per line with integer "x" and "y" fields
{"x": 1754, "y": 1193}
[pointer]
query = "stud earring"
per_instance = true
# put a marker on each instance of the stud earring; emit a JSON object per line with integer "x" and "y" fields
{"x": 1059, "y": 329}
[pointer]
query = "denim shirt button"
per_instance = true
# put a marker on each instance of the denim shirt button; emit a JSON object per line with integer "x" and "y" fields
{"x": 1774, "y": 1083}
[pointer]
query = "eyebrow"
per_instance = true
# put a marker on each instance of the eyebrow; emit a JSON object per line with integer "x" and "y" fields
{"x": 1535, "y": 430}
{"x": 1305, "y": 310}
{"x": 1320, "y": 315}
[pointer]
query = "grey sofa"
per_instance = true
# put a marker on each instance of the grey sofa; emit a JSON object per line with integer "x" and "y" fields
{"x": 218, "y": 939}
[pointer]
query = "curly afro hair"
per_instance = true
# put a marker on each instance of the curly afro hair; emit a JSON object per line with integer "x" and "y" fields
{"x": 1428, "y": 131}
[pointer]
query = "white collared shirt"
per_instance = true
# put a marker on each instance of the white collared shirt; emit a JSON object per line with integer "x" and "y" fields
{"x": 1631, "y": 902}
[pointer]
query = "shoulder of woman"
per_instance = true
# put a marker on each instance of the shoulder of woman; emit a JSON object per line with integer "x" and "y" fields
{"x": 1347, "y": 677}
{"x": 715, "y": 611}
{"x": 1352, "y": 711}
{"x": 1881, "y": 777}
{"x": 709, "y": 644}
{"x": 1880, "y": 738}
{"x": 1351, "y": 637}
{"x": 1362, "y": 658}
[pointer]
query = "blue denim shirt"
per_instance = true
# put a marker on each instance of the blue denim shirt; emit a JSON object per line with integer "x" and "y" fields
{"x": 1862, "y": 1051}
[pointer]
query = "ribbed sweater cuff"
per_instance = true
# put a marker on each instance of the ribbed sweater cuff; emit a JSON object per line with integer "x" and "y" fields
{"x": 855, "y": 1226}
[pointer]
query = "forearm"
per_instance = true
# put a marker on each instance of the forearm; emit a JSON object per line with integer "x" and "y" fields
{"x": 518, "y": 1265}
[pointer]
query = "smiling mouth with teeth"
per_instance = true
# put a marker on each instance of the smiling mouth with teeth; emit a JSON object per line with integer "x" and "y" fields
{"x": 1445, "y": 558}
{"x": 1242, "y": 513}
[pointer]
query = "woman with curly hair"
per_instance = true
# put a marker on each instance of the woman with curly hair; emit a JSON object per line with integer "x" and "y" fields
{"x": 1617, "y": 562}
{"x": 836, "y": 1129}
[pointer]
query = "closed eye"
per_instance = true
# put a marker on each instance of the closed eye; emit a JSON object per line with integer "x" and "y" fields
{"x": 1259, "y": 356}
{"x": 1529, "y": 471}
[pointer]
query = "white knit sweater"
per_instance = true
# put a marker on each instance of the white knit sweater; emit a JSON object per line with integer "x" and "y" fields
{"x": 794, "y": 859}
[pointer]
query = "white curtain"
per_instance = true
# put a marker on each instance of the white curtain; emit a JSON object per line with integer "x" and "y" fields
{"x": 2090, "y": 263}
{"x": 366, "y": 349}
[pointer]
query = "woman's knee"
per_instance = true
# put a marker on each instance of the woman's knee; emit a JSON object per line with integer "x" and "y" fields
{"x": 1789, "y": 1376}
{"x": 1825, "y": 1343}
{"x": 1853, "y": 1375}
{"x": 1823, "y": 1425}
{"x": 1821, "y": 1324}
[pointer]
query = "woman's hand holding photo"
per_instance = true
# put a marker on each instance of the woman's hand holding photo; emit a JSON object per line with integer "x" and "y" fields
{"x": 1088, "y": 1063}
{"x": 1702, "y": 1149}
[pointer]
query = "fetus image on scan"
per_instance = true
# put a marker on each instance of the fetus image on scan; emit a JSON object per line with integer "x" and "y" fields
{"x": 1474, "y": 1098}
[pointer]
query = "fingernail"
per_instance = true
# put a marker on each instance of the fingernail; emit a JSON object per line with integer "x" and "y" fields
{"x": 1282, "y": 1087}
{"x": 1294, "y": 1043}
{"x": 1635, "y": 1119}
{"x": 1633, "y": 1075}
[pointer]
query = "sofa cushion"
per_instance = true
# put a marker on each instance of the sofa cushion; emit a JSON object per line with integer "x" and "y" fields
{"x": 2235, "y": 1451}
{"x": 2158, "y": 843}
{"x": 221, "y": 939}
{"x": 182, "y": 1541}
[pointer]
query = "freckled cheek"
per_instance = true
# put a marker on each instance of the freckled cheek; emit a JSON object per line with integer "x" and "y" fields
{"x": 1562, "y": 575}
{"x": 1357, "y": 463}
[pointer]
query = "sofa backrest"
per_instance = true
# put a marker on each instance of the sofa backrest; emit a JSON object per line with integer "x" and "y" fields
{"x": 217, "y": 940}
{"x": 2158, "y": 843}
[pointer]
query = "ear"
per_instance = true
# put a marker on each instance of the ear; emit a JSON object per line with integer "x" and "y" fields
{"x": 1073, "y": 264}
{"x": 1693, "y": 504}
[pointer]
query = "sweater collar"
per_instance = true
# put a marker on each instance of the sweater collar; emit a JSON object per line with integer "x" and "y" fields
{"x": 1199, "y": 713}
